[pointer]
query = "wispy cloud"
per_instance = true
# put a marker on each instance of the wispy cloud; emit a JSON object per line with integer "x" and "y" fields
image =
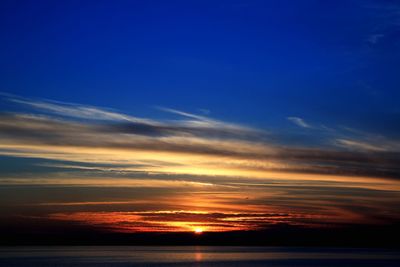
{"x": 197, "y": 145}
{"x": 226, "y": 167}
{"x": 374, "y": 38}
{"x": 78, "y": 111}
{"x": 299, "y": 122}
{"x": 357, "y": 145}
{"x": 385, "y": 17}
{"x": 356, "y": 140}
{"x": 181, "y": 220}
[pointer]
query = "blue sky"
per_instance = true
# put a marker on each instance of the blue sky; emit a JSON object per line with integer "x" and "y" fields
{"x": 255, "y": 62}
{"x": 257, "y": 100}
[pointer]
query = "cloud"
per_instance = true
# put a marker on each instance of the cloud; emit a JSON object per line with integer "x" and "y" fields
{"x": 202, "y": 122}
{"x": 177, "y": 151}
{"x": 299, "y": 122}
{"x": 193, "y": 125}
{"x": 356, "y": 140}
{"x": 151, "y": 174}
{"x": 176, "y": 220}
{"x": 195, "y": 145}
{"x": 78, "y": 111}
{"x": 385, "y": 18}
{"x": 374, "y": 38}
{"x": 357, "y": 145}
{"x": 231, "y": 210}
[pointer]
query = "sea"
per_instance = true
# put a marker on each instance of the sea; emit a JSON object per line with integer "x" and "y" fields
{"x": 119, "y": 256}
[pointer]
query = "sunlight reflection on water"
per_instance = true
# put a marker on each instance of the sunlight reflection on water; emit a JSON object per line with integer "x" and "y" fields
{"x": 194, "y": 256}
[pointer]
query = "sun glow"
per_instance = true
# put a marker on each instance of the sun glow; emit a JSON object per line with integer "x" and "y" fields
{"x": 198, "y": 230}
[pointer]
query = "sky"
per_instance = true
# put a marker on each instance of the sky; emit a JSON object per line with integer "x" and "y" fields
{"x": 146, "y": 116}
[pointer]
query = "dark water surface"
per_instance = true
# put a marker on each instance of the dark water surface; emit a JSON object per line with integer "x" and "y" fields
{"x": 194, "y": 256}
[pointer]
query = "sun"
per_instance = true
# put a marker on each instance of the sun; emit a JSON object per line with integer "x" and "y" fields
{"x": 198, "y": 230}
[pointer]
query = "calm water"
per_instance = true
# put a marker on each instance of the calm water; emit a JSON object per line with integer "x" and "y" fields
{"x": 195, "y": 256}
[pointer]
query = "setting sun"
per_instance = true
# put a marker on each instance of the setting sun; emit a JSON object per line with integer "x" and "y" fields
{"x": 198, "y": 230}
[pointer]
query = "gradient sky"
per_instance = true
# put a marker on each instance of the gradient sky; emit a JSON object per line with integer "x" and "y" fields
{"x": 223, "y": 115}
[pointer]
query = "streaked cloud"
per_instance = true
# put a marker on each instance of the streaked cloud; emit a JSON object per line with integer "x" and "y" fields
{"x": 299, "y": 122}
{"x": 374, "y": 38}
{"x": 78, "y": 111}
{"x": 356, "y": 145}
{"x": 193, "y": 170}
{"x": 181, "y": 220}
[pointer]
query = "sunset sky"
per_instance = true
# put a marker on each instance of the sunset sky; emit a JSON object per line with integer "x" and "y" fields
{"x": 147, "y": 116}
